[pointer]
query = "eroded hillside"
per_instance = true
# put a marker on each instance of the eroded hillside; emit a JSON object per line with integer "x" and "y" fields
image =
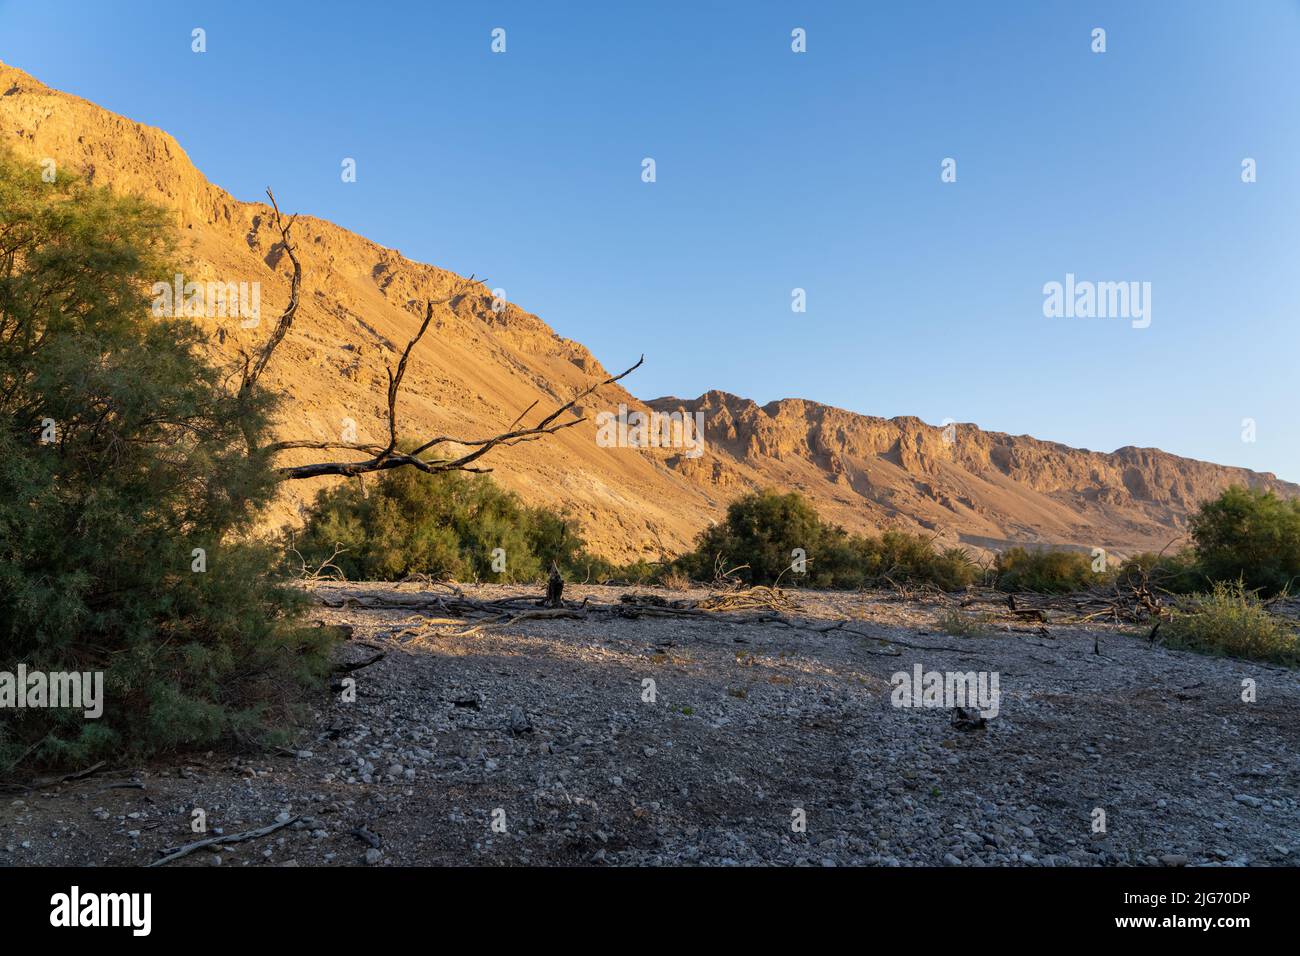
{"x": 478, "y": 369}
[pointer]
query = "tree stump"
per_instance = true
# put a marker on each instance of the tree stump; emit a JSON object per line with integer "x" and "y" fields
{"x": 554, "y": 589}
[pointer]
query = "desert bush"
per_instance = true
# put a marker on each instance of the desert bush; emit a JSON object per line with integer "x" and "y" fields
{"x": 121, "y": 453}
{"x": 1046, "y": 571}
{"x": 1178, "y": 573}
{"x": 961, "y": 623}
{"x": 1231, "y": 620}
{"x": 911, "y": 557}
{"x": 1251, "y": 536}
{"x": 443, "y": 525}
{"x": 762, "y": 530}
{"x": 675, "y": 579}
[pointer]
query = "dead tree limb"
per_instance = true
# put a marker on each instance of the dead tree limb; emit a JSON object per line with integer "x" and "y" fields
{"x": 554, "y": 589}
{"x": 385, "y": 457}
{"x": 254, "y": 371}
{"x": 388, "y": 459}
{"x": 351, "y": 668}
{"x": 212, "y": 841}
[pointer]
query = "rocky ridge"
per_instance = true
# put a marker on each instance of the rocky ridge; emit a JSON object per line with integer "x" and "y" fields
{"x": 478, "y": 368}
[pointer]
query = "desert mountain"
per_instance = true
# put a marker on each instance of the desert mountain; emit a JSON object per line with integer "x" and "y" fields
{"x": 477, "y": 369}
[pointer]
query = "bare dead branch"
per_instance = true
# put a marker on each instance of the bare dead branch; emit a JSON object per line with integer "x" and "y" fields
{"x": 189, "y": 848}
{"x": 392, "y": 459}
{"x": 395, "y": 380}
{"x": 252, "y": 374}
{"x": 385, "y": 457}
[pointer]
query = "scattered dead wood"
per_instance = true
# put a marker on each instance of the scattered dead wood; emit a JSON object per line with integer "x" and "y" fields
{"x": 730, "y": 605}
{"x": 46, "y": 782}
{"x": 189, "y": 848}
{"x": 128, "y": 785}
{"x": 847, "y": 628}
{"x": 1128, "y": 603}
{"x": 730, "y": 602}
{"x": 749, "y": 599}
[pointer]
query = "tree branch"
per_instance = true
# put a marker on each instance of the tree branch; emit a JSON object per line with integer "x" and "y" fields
{"x": 385, "y": 457}
{"x": 388, "y": 458}
{"x": 252, "y": 374}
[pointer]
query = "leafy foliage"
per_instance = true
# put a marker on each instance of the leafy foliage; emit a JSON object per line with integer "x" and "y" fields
{"x": 446, "y": 525}
{"x": 1046, "y": 571}
{"x": 120, "y": 453}
{"x": 1251, "y": 536}
{"x": 759, "y": 537}
{"x": 1231, "y": 620}
{"x": 762, "y": 531}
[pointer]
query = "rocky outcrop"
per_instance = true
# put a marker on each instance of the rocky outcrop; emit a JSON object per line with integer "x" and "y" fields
{"x": 478, "y": 369}
{"x": 983, "y": 488}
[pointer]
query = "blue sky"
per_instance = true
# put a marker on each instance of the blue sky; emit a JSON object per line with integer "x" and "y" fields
{"x": 777, "y": 171}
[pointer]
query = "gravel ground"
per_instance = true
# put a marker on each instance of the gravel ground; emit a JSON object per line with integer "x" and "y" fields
{"x": 535, "y": 744}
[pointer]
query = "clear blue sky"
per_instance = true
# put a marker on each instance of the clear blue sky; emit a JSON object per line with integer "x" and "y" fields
{"x": 777, "y": 171}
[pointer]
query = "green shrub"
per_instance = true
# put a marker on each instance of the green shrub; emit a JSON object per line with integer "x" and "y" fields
{"x": 444, "y": 525}
{"x": 763, "y": 532}
{"x": 1046, "y": 571}
{"x": 911, "y": 557}
{"x": 1251, "y": 536}
{"x": 1178, "y": 573}
{"x": 1231, "y": 620}
{"x": 121, "y": 452}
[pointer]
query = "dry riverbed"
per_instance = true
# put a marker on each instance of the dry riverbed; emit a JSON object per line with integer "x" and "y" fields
{"x": 536, "y": 743}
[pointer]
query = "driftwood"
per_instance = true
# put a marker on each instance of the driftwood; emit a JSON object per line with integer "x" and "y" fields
{"x": 748, "y": 599}
{"x": 189, "y": 848}
{"x": 1133, "y": 603}
{"x": 725, "y": 604}
{"x": 729, "y": 606}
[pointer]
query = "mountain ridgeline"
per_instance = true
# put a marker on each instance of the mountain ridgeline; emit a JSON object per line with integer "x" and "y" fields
{"x": 478, "y": 368}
